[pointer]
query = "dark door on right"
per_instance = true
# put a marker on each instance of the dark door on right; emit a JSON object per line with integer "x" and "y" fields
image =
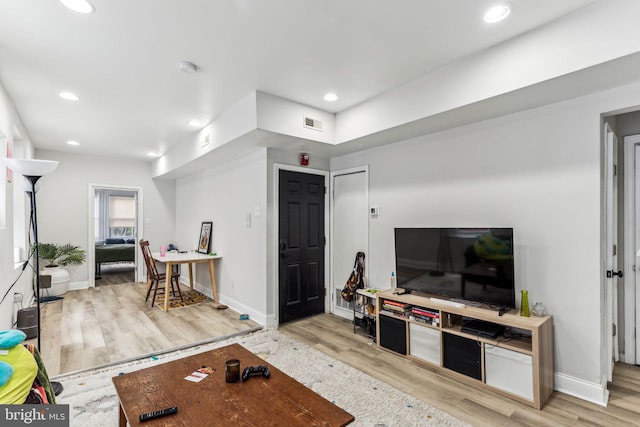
{"x": 301, "y": 245}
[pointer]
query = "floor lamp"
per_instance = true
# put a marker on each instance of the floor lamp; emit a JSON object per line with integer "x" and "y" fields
{"x": 33, "y": 170}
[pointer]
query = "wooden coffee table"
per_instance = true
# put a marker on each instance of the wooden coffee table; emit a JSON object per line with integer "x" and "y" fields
{"x": 278, "y": 400}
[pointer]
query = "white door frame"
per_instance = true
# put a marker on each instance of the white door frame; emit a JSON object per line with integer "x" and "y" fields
{"x": 277, "y": 167}
{"x": 140, "y": 270}
{"x": 610, "y": 282}
{"x": 362, "y": 169}
{"x": 631, "y": 246}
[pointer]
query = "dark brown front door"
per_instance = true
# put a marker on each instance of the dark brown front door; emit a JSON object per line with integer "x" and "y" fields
{"x": 301, "y": 245}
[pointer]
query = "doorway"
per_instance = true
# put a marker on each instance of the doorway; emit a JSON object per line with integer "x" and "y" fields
{"x": 627, "y": 126}
{"x": 612, "y": 275}
{"x": 301, "y": 245}
{"x": 349, "y": 230}
{"x": 114, "y": 226}
{"x": 631, "y": 301}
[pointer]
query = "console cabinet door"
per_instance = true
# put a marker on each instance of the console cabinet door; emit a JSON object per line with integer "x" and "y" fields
{"x": 509, "y": 370}
{"x": 424, "y": 343}
{"x": 393, "y": 334}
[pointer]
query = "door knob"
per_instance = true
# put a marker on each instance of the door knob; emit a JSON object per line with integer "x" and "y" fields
{"x": 611, "y": 273}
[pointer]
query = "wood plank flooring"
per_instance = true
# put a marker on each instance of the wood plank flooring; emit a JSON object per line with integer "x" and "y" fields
{"x": 110, "y": 323}
{"x": 115, "y": 274}
{"x": 334, "y": 336}
{"x": 106, "y": 324}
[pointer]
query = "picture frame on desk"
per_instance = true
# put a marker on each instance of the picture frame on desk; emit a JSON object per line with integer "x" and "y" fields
{"x": 204, "y": 243}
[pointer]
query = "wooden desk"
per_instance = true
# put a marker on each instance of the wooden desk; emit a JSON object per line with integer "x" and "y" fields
{"x": 275, "y": 401}
{"x": 172, "y": 258}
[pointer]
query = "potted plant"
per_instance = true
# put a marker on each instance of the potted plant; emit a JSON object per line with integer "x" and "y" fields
{"x": 57, "y": 256}
{"x": 61, "y": 255}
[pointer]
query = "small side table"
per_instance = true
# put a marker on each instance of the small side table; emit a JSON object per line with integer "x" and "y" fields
{"x": 369, "y": 295}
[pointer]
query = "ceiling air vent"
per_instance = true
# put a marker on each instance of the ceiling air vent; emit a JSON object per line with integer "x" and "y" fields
{"x": 312, "y": 123}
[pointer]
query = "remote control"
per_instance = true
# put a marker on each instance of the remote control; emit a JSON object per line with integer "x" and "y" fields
{"x": 157, "y": 414}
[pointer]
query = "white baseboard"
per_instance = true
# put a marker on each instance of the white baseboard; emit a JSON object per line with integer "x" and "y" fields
{"x": 261, "y": 318}
{"x": 585, "y": 390}
{"x": 74, "y": 286}
{"x": 347, "y": 314}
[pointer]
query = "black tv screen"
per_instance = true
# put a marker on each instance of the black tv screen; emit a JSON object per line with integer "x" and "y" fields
{"x": 471, "y": 264}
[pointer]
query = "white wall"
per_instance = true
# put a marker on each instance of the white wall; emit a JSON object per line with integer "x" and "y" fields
{"x": 283, "y": 116}
{"x": 226, "y": 195}
{"x": 63, "y": 200}
{"x": 604, "y": 31}
{"x": 230, "y": 125}
{"x": 9, "y": 123}
{"x": 538, "y": 171}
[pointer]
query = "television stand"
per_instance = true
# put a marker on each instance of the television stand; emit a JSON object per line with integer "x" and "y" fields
{"x": 433, "y": 333}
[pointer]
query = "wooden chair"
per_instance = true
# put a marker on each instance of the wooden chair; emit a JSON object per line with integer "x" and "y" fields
{"x": 154, "y": 278}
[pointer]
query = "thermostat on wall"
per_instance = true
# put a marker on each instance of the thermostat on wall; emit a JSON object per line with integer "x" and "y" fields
{"x": 374, "y": 211}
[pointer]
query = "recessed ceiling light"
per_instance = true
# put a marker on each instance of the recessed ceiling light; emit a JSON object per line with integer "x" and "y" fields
{"x": 80, "y": 6}
{"x": 69, "y": 96}
{"x": 73, "y": 143}
{"x": 331, "y": 97}
{"x": 194, "y": 123}
{"x": 497, "y": 14}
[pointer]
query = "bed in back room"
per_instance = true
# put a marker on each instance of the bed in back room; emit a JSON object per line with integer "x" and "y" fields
{"x": 115, "y": 250}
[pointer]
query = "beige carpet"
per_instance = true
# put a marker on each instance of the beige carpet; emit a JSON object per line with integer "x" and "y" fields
{"x": 93, "y": 400}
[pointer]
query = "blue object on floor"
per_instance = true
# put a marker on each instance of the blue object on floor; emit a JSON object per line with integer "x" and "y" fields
{"x": 244, "y": 317}
{"x": 6, "y": 371}
{"x": 49, "y": 299}
{"x": 11, "y": 338}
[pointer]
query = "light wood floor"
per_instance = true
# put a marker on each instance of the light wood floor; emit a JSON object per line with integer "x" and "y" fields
{"x": 105, "y": 324}
{"x": 109, "y": 323}
{"x": 334, "y": 336}
{"x": 115, "y": 274}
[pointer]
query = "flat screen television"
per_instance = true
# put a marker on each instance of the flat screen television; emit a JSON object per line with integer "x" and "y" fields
{"x": 471, "y": 264}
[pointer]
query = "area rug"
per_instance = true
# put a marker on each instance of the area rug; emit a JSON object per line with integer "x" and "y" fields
{"x": 188, "y": 298}
{"x": 93, "y": 401}
{"x": 50, "y": 299}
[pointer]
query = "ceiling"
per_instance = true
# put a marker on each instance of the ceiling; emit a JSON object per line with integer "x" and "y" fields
{"x": 122, "y": 60}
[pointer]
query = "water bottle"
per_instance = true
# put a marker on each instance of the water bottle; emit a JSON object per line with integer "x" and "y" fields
{"x": 393, "y": 280}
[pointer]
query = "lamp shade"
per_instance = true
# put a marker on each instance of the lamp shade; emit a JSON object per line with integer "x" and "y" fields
{"x": 31, "y": 167}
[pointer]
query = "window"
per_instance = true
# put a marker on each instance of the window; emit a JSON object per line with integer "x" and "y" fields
{"x": 115, "y": 214}
{"x": 122, "y": 216}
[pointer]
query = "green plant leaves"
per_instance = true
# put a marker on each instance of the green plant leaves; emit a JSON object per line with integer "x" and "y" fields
{"x": 61, "y": 255}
